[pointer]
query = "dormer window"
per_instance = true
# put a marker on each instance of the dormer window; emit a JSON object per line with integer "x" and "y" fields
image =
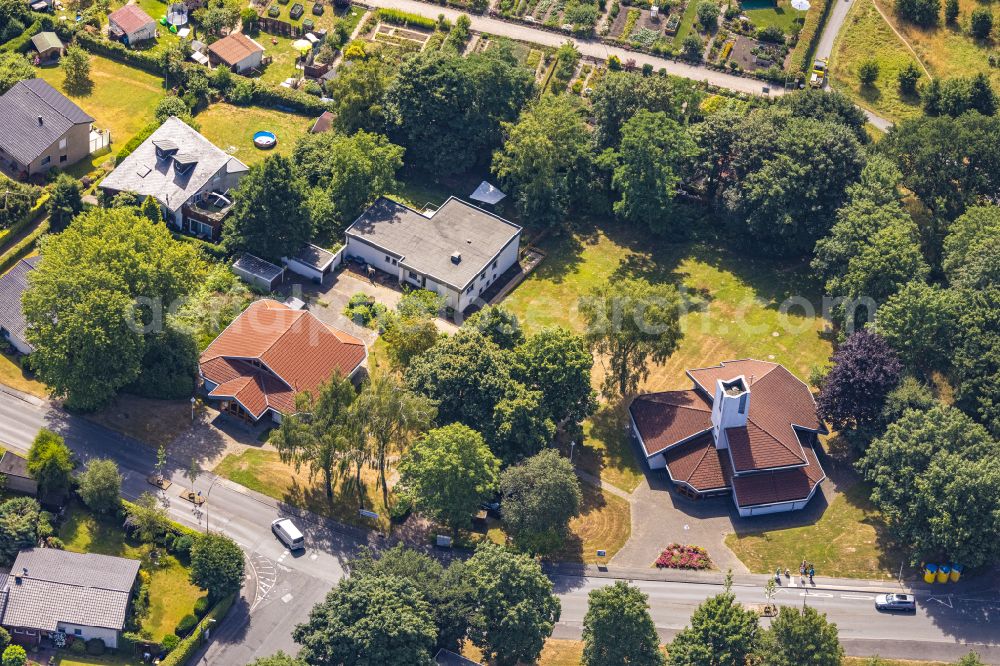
{"x": 165, "y": 148}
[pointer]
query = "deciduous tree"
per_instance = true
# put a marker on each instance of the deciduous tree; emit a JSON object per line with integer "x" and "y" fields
{"x": 558, "y": 363}
{"x": 358, "y": 93}
{"x": 539, "y": 497}
{"x": 50, "y": 463}
{"x": 217, "y": 564}
{"x": 619, "y": 95}
{"x": 14, "y": 67}
{"x": 22, "y": 524}
{"x": 722, "y": 633}
{"x": 618, "y": 628}
{"x": 101, "y": 485}
{"x": 801, "y": 638}
{"x": 75, "y": 64}
{"x": 919, "y": 323}
{"x": 865, "y": 368}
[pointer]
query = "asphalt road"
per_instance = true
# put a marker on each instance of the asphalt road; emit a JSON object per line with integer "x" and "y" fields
{"x": 282, "y": 588}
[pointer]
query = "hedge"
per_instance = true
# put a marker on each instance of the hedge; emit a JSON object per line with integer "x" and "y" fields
{"x": 809, "y": 36}
{"x": 188, "y": 646}
{"x": 22, "y": 42}
{"x": 214, "y": 250}
{"x": 278, "y": 97}
{"x": 135, "y": 141}
{"x": 29, "y": 218}
{"x": 406, "y": 18}
{"x": 118, "y": 52}
{"x": 20, "y": 250}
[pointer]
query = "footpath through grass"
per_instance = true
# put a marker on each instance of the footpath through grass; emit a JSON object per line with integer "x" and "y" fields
{"x": 844, "y": 543}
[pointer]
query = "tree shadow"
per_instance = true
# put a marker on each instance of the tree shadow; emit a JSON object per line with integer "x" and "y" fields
{"x": 870, "y": 94}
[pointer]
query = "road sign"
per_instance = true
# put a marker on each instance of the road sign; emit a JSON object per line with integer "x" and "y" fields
{"x": 602, "y": 553}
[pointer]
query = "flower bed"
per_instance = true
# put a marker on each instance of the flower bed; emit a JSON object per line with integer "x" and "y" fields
{"x": 677, "y": 556}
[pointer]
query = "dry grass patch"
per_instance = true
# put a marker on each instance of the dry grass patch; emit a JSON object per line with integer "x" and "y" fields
{"x": 12, "y": 375}
{"x": 605, "y": 522}
{"x": 570, "y": 653}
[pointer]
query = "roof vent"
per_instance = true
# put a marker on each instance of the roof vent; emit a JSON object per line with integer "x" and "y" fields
{"x": 469, "y": 241}
{"x": 40, "y": 121}
{"x": 456, "y": 257}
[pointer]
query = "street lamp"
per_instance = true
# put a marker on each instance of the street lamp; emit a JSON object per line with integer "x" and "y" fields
{"x": 207, "y": 494}
{"x": 572, "y": 445}
{"x": 193, "y": 401}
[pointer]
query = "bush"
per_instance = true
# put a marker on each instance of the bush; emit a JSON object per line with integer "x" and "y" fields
{"x": 4, "y": 639}
{"x": 398, "y": 17}
{"x": 868, "y": 72}
{"x": 908, "y": 77}
{"x": 76, "y": 647}
{"x": 922, "y": 12}
{"x": 708, "y": 14}
{"x": 14, "y": 655}
{"x": 135, "y": 142}
{"x": 772, "y": 34}
{"x": 677, "y": 556}
{"x": 201, "y": 606}
{"x": 95, "y": 647}
{"x": 981, "y": 24}
{"x": 169, "y": 643}
{"x": 187, "y": 647}
{"x": 400, "y": 511}
{"x": 116, "y": 51}
{"x": 186, "y": 624}
{"x": 182, "y": 545}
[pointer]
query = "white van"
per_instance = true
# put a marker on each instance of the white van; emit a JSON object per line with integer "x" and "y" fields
{"x": 289, "y": 534}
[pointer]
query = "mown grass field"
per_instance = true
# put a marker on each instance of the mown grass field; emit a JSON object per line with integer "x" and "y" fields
{"x": 845, "y": 542}
{"x": 866, "y": 35}
{"x": 734, "y": 313}
{"x": 171, "y": 595}
{"x": 14, "y": 376}
{"x": 780, "y": 13}
{"x": 219, "y": 126}
{"x": 604, "y": 522}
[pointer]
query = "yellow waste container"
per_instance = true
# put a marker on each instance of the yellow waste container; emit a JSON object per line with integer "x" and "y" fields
{"x": 956, "y": 572}
{"x": 930, "y": 573}
{"x": 943, "y": 572}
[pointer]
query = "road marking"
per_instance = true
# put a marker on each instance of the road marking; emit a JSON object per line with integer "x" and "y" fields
{"x": 857, "y": 596}
{"x": 946, "y": 601}
{"x": 807, "y": 593}
{"x": 791, "y": 582}
{"x": 288, "y": 597}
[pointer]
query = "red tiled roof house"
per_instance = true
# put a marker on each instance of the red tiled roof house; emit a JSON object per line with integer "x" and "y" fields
{"x": 747, "y": 428}
{"x": 270, "y": 354}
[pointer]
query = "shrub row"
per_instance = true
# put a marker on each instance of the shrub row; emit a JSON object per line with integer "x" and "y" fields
{"x": 30, "y": 216}
{"x": 118, "y": 52}
{"x": 20, "y": 250}
{"x": 812, "y": 30}
{"x": 214, "y": 250}
{"x": 135, "y": 141}
{"x": 285, "y": 98}
{"x": 406, "y": 18}
{"x": 187, "y": 647}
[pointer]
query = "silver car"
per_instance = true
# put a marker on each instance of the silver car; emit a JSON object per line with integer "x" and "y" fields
{"x": 896, "y": 602}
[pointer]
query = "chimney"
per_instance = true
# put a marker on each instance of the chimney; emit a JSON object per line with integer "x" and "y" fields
{"x": 40, "y": 121}
{"x": 456, "y": 257}
{"x": 729, "y": 408}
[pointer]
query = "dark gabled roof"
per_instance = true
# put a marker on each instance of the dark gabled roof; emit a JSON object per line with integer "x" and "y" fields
{"x": 12, "y": 464}
{"x": 699, "y": 464}
{"x": 21, "y": 135}
{"x": 786, "y": 485}
{"x": 13, "y": 284}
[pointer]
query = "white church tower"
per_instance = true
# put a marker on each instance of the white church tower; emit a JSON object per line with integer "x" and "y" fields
{"x": 729, "y": 409}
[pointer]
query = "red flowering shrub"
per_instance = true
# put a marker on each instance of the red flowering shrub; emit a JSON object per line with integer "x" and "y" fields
{"x": 677, "y": 556}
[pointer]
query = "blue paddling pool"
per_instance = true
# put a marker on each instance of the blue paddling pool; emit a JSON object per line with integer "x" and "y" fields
{"x": 265, "y": 140}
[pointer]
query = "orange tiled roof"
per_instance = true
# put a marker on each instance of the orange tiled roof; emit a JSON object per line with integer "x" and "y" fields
{"x": 699, "y": 464}
{"x": 670, "y": 417}
{"x": 270, "y": 353}
{"x": 779, "y": 486}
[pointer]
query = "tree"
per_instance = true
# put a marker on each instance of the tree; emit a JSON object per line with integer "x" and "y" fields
{"x": 721, "y": 633}
{"x": 368, "y": 621}
{"x": 447, "y": 110}
{"x": 558, "y": 363}
{"x": 279, "y": 658}
{"x": 801, "y": 638}
{"x": 521, "y": 425}
{"x": 654, "y": 157}
{"x": 22, "y": 524}
{"x": 545, "y": 160}
{"x": 970, "y": 249}
{"x": 955, "y": 96}
{"x": 406, "y": 338}
{"x": 868, "y": 72}
{"x": 618, "y": 629}
{"x": 392, "y": 416}
{"x": 101, "y": 485}
{"x": 76, "y": 66}
{"x": 828, "y": 106}
{"x": 971, "y": 659}
{"x": 919, "y": 323}
{"x": 865, "y": 368}
{"x": 693, "y": 46}
{"x": 218, "y": 15}
{"x": 922, "y": 12}
{"x": 147, "y": 518}
{"x": 50, "y": 464}
{"x": 950, "y": 11}
{"x": 14, "y": 655}
{"x": 981, "y": 23}
{"x": 321, "y": 430}
{"x": 445, "y": 590}
{"x": 539, "y": 498}
{"x": 101, "y": 284}
{"x": 269, "y": 218}
{"x": 909, "y": 74}
{"x": 934, "y": 476}
{"x": 976, "y": 358}
{"x": 708, "y": 15}
{"x": 150, "y": 208}
{"x": 358, "y": 94}
{"x": 910, "y": 394}
{"x": 171, "y": 106}
{"x": 631, "y": 322}
{"x": 4, "y": 638}
{"x": 217, "y": 565}
{"x": 515, "y": 610}
{"x": 499, "y": 325}
{"x": 14, "y": 67}
{"x": 448, "y": 473}
{"x": 619, "y": 95}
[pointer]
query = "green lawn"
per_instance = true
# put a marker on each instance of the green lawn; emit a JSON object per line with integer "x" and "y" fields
{"x": 687, "y": 22}
{"x": 866, "y": 35}
{"x": 65, "y": 658}
{"x": 123, "y": 99}
{"x": 171, "y": 596}
{"x": 734, "y": 314}
{"x": 232, "y": 128}
{"x": 778, "y": 13}
{"x": 283, "y": 58}
{"x": 845, "y": 542}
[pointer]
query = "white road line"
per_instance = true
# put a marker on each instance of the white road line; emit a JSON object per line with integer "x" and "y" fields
{"x": 857, "y": 596}
{"x": 815, "y": 594}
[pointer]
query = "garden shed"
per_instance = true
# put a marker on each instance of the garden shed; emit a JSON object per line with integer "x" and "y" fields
{"x": 313, "y": 262}
{"x": 261, "y": 274}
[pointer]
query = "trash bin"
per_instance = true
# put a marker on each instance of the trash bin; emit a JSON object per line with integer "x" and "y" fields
{"x": 943, "y": 572}
{"x": 956, "y": 572}
{"x": 930, "y": 573}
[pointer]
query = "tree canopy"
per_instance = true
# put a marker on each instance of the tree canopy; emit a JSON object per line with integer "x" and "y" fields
{"x": 100, "y": 485}
{"x": 618, "y": 628}
{"x": 50, "y": 464}
{"x": 540, "y": 496}
{"x": 801, "y": 638}
{"x": 722, "y": 633}
{"x": 217, "y": 564}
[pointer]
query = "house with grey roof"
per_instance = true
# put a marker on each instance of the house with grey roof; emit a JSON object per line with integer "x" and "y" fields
{"x": 83, "y": 595}
{"x": 40, "y": 128}
{"x": 13, "y": 284}
{"x": 458, "y": 251}
{"x": 187, "y": 174}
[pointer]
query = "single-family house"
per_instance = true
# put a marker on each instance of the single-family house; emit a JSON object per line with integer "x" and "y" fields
{"x": 50, "y": 591}
{"x": 14, "y": 470}
{"x": 457, "y": 251}
{"x": 271, "y": 353}
{"x": 131, "y": 25}
{"x": 48, "y": 45}
{"x": 237, "y": 52}
{"x": 40, "y": 128}
{"x": 746, "y": 428}
{"x": 13, "y": 284}
{"x": 190, "y": 177}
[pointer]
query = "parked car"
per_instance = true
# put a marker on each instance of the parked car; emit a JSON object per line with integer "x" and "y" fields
{"x": 288, "y": 534}
{"x": 493, "y": 508}
{"x": 896, "y": 602}
{"x": 818, "y": 74}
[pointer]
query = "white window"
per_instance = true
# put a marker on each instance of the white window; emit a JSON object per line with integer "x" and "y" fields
{"x": 387, "y": 260}
{"x": 78, "y": 632}
{"x": 46, "y": 161}
{"x": 62, "y": 143}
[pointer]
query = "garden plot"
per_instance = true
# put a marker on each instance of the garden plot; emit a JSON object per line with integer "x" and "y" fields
{"x": 398, "y": 36}
{"x": 752, "y": 55}
{"x": 640, "y": 27}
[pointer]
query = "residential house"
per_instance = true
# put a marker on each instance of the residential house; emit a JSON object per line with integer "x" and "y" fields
{"x": 746, "y": 428}
{"x": 456, "y": 252}
{"x": 13, "y": 284}
{"x": 271, "y": 353}
{"x": 14, "y": 470}
{"x": 82, "y": 595}
{"x": 40, "y": 129}
{"x": 48, "y": 45}
{"x": 131, "y": 25}
{"x": 237, "y": 52}
{"x": 189, "y": 177}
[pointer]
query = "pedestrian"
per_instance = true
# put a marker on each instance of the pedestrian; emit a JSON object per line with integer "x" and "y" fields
{"x": 812, "y": 572}
{"x": 788, "y": 574}
{"x": 777, "y": 575}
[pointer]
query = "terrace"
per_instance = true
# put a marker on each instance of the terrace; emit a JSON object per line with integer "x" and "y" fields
{"x": 204, "y": 218}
